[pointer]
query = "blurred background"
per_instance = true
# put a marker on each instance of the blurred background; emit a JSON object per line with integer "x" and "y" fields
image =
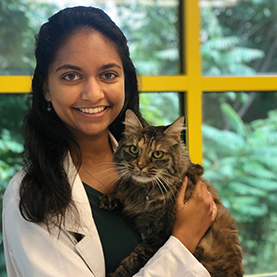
{"x": 239, "y": 129}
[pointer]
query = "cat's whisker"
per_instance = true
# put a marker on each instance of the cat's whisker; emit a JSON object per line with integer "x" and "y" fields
{"x": 161, "y": 185}
{"x": 110, "y": 172}
{"x": 170, "y": 187}
{"x": 168, "y": 181}
{"x": 157, "y": 184}
{"x": 113, "y": 177}
{"x": 171, "y": 177}
{"x": 107, "y": 163}
{"x": 122, "y": 169}
{"x": 107, "y": 172}
{"x": 124, "y": 174}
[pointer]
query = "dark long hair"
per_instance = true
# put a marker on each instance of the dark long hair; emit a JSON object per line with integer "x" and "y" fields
{"x": 45, "y": 191}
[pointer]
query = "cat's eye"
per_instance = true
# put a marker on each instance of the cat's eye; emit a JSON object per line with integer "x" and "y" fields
{"x": 134, "y": 150}
{"x": 158, "y": 154}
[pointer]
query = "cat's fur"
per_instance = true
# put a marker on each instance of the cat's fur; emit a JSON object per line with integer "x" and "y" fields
{"x": 219, "y": 250}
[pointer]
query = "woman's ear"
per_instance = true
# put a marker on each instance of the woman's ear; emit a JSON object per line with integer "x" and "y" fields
{"x": 46, "y": 92}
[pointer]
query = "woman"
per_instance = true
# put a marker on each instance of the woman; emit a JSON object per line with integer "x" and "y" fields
{"x": 83, "y": 83}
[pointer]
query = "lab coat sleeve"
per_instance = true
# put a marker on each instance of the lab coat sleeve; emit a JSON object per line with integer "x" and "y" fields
{"x": 173, "y": 259}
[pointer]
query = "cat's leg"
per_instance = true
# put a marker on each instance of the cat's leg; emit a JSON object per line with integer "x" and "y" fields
{"x": 195, "y": 172}
{"x": 109, "y": 201}
{"x": 135, "y": 261}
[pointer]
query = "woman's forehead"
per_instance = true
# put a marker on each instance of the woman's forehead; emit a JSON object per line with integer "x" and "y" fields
{"x": 87, "y": 47}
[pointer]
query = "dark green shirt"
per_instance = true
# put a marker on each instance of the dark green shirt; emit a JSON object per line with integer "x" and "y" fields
{"x": 117, "y": 236}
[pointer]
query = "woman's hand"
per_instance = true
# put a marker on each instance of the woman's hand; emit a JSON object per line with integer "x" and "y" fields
{"x": 194, "y": 217}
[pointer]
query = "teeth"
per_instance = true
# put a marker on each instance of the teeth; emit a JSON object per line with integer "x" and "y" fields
{"x": 92, "y": 110}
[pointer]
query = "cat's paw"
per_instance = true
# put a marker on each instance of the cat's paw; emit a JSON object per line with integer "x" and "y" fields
{"x": 108, "y": 202}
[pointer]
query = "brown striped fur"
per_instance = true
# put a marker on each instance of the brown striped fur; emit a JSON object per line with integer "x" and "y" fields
{"x": 219, "y": 250}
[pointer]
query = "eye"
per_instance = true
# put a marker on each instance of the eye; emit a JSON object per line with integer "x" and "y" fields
{"x": 134, "y": 150}
{"x": 71, "y": 77}
{"x": 109, "y": 76}
{"x": 158, "y": 154}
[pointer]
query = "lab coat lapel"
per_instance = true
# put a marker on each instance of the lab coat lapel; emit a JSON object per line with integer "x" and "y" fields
{"x": 89, "y": 247}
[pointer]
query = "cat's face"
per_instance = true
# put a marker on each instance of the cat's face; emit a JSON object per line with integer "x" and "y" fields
{"x": 147, "y": 156}
{"x": 153, "y": 156}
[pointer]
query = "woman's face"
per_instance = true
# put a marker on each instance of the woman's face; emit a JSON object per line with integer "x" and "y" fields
{"x": 86, "y": 83}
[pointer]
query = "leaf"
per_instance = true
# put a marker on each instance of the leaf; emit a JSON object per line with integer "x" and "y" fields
{"x": 171, "y": 54}
{"x": 222, "y": 43}
{"x": 256, "y": 168}
{"x": 233, "y": 119}
{"x": 227, "y": 139}
{"x": 244, "y": 189}
{"x": 249, "y": 205}
{"x": 267, "y": 185}
{"x": 8, "y": 144}
{"x": 263, "y": 137}
{"x": 245, "y": 55}
{"x": 268, "y": 160}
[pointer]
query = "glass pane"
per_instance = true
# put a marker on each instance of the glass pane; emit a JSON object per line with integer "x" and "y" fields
{"x": 13, "y": 109}
{"x": 161, "y": 108}
{"x": 150, "y": 26}
{"x": 238, "y": 37}
{"x": 240, "y": 159}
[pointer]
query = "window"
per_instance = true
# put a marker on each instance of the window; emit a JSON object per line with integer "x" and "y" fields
{"x": 206, "y": 70}
{"x": 238, "y": 125}
{"x": 239, "y": 134}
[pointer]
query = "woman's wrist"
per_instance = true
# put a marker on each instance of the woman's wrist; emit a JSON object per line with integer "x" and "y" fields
{"x": 190, "y": 242}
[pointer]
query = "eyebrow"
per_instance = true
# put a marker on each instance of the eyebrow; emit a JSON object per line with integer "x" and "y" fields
{"x": 74, "y": 67}
{"x": 109, "y": 65}
{"x": 69, "y": 66}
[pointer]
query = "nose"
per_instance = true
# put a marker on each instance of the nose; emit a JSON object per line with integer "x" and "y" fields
{"x": 93, "y": 90}
{"x": 141, "y": 165}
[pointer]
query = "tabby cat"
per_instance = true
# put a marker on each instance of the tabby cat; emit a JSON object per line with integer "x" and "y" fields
{"x": 152, "y": 163}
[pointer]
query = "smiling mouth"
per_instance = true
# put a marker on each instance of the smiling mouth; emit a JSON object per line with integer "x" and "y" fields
{"x": 92, "y": 110}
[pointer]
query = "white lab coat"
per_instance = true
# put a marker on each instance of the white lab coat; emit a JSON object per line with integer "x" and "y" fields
{"x": 30, "y": 250}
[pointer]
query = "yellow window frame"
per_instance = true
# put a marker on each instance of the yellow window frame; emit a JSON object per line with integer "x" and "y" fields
{"x": 191, "y": 83}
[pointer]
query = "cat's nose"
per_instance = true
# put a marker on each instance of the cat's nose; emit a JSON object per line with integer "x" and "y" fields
{"x": 141, "y": 165}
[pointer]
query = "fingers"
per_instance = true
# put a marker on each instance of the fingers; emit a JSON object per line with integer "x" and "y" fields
{"x": 211, "y": 204}
{"x": 182, "y": 191}
{"x": 201, "y": 192}
{"x": 214, "y": 212}
{"x": 195, "y": 216}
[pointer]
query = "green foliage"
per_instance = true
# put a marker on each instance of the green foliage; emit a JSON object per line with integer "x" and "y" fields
{"x": 159, "y": 109}
{"x": 152, "y": 34}
{"x": 20, "y": 20}
{"x": 12, "y": 16}
{"x": 11, "y": 146}
{"x": 222, "y": 53}
{"x": 241, "y": 164}
{"x": 239, "y": 40}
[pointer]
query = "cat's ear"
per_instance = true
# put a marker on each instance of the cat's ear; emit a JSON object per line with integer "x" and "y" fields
{"x": 132, "y": 122}
{"x": 175, "y": 129}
